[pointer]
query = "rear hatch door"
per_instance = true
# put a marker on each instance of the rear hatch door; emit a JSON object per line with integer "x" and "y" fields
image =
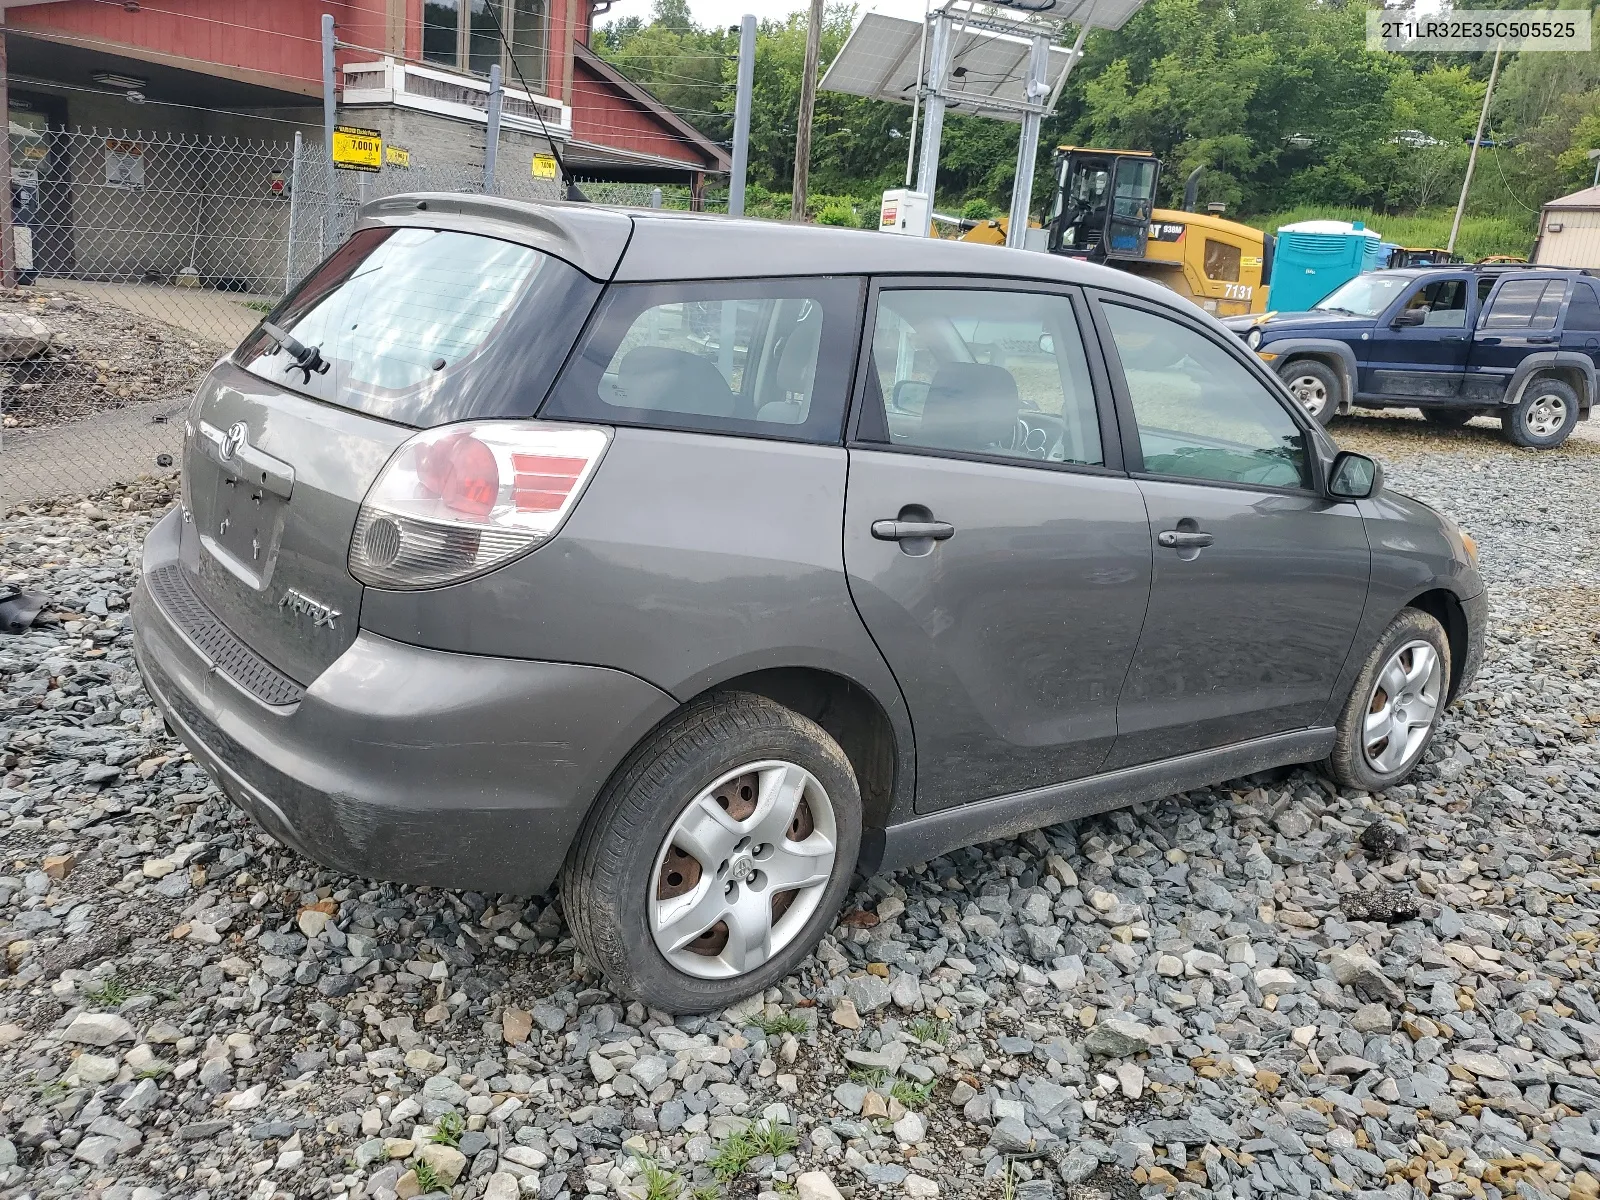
{"x": 412, "y": 328}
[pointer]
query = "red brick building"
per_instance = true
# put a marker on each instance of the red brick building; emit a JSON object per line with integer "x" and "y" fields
{"x": 416, "y": 68}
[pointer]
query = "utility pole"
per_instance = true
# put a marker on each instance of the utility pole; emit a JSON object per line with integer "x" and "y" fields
{"x": 491, "y": 138}
{"x": 1472, "y": 158}
{"x": 329, "y": 108}
{"x": 808, "y": 104}
{"x": 741, "y": 115}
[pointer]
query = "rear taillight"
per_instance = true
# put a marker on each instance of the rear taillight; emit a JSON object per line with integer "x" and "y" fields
{"x": 460, "y": 499}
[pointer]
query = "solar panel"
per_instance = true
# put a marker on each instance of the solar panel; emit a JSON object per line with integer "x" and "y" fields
{"x": 879, "y": 59}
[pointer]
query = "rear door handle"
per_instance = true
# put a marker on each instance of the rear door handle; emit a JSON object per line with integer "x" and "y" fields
{"x": 1181, "y": 539}
{"x": 901, "y": 531}
{"x": 1542, "y": 339}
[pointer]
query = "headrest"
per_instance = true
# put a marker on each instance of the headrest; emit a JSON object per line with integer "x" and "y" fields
{"x": 971, "y": 406}
{"x": 658, "y": 377}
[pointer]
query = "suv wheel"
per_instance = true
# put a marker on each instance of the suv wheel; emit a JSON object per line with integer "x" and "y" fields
{"x": 1316, "y": 385}
{"x": 1449, "y": 418}
{"x": 716, "y": 857}
{"x": 1544, "y": 416}
{"x": 1395, "y": 706}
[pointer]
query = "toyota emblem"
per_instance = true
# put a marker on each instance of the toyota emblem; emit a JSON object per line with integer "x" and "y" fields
{"x": 236, "y": 439}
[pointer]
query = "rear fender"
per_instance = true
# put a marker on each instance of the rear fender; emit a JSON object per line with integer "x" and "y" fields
{"x": 1567, "y": 365}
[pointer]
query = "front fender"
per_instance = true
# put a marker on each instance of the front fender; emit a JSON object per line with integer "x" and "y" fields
{"x": 1325, "y": 348}
{"x": 1562, "y": 360}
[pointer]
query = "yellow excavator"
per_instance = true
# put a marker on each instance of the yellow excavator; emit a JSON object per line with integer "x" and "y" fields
{"x": 1104, "y": 211}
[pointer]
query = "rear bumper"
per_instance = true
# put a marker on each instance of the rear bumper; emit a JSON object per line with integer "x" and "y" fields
{"x": 402, "y": 763}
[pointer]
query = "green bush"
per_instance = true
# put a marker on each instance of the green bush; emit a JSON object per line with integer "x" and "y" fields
{"x": 979, "y": 210}
{"x": 838, "y": 214}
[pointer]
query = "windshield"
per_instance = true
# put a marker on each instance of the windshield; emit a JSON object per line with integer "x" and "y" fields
{"x": 1365, "y": 295}
{"x": 409, "y": 325}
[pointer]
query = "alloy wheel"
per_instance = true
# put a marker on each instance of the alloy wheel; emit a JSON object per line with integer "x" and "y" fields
{"x": 1404, "y": 704}
{"x": 1546, "y": 415}
{"x": 1311, "y": 392}
{"x": 742, "y": 869}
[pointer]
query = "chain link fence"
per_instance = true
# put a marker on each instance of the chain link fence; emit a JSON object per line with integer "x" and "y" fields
{"x": 144, "y": 258}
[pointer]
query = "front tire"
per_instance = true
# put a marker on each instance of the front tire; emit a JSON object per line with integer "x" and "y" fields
{"x": 1395, "y": 705}
{"x": 1544, "y": 417}
{"x": 1316, "y": 385}
{"x": 716, "y": 857}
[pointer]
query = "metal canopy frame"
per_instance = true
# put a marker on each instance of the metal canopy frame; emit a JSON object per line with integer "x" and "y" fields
{"x": 987, "y": 60}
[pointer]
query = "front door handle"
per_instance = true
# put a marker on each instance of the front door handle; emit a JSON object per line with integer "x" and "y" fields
{"x": 901, "y": 531}
{"x": 1454, "y": 339}
{"x": 1182, "y": 539}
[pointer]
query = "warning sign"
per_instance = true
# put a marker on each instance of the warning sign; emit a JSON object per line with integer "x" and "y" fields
{"x": 544, "y": 166}
{"x": 397, "y": 156}
{"x": 357, "y": 149}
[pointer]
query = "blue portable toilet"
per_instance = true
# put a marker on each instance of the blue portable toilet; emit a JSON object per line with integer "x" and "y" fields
{"x": 1314, "y": 257}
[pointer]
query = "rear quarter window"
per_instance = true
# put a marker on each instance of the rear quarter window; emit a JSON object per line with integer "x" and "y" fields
{"x": 427, "y": 326}
{"x": 757, "y": 358}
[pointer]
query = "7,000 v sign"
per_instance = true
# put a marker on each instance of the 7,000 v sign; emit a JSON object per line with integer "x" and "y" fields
{"x": 357, "y": 149}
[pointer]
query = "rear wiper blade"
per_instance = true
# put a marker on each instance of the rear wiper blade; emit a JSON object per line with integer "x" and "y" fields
{"x": 306, "y": 358}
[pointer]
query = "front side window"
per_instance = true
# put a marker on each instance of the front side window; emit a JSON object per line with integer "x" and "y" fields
{"x": 411, "y": 326}
{"x": 1443, "y": 303}
{"x": 1201, "y": 414}
{"x": 1526, "y": 304}
{"x": 764, "y": 358}
{"x": 986, "y": 373}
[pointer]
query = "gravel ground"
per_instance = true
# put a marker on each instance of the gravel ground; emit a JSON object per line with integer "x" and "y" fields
{"x": 101, "y": 357}
{"x": 1267, "y": 989}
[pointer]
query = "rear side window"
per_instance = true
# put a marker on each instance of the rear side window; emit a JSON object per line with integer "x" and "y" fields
{"x": 767, "y": 358}
{"x": 1222, "y": 261}
{"x": 427, "y": 326}
{"x": 1526, "y": 304}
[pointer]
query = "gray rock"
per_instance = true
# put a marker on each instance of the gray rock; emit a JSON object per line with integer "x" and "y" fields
{"x": 99, "y": 1029}
{"x": 868, "y": 992}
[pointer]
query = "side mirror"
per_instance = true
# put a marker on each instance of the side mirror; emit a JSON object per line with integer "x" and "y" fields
{"x": 1354, "y": 476}
{"x": 1047, "y": 344}
{"x": 1409, "y": 317}
{"x": 909, "y": 396}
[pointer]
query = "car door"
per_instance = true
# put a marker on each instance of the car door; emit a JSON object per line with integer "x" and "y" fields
{"x": 1418, "y": 346}
{"x": 995, "y": 549}
{"x": 1522, "y": 317}
{"x": 1258, "y": 579}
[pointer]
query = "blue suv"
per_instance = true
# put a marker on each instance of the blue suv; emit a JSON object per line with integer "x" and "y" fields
{"x": 1454, "y": 342}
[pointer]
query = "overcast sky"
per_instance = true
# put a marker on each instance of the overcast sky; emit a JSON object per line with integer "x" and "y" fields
{"x": 728, "y": 12}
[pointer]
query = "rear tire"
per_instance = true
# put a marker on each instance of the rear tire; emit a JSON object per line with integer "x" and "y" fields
{"x": 1316, "y": 385}
{"x": 1544, "y": 417}
{"x": 689, "y": 936}
{"x": 1395, "y": 705}
{"x": 1449, "y": 418}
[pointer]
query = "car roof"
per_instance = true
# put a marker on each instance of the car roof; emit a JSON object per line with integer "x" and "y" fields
{"x": 644, "y": 245}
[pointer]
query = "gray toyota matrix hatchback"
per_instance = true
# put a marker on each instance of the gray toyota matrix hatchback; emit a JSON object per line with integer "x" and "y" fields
{"x": 707, "y": 562}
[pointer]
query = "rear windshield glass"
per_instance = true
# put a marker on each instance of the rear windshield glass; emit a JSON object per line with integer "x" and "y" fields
{"x": 412, "y": 325}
